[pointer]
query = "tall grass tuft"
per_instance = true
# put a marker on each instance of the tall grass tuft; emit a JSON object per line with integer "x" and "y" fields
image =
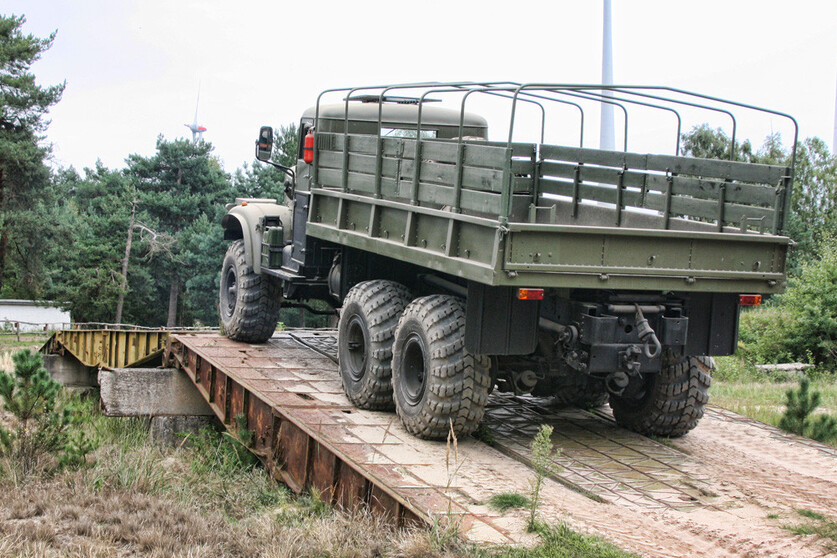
{"x": 542, "y": 464}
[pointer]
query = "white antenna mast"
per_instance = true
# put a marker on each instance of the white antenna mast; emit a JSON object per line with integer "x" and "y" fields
{"x": 606, "y": 137}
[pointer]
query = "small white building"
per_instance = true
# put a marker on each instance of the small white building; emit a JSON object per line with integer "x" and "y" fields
{"x": 32, "y": 315}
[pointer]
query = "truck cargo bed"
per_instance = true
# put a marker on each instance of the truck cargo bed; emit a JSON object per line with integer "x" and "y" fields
{"x": 527, "y": 214}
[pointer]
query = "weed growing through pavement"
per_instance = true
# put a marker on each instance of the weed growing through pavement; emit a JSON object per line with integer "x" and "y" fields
{"x": 560, "y": 541}
{"x": 483, "y": 434}
{"x": 818, "y": 525}
{"x": 508, "y": 501}
{"x": 445, "y": 528}
{"x": 542, "y": 464}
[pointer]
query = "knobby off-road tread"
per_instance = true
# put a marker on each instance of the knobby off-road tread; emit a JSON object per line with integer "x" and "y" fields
{"x": 258, "y": 300}
{"x": 675, "y": 400}
{"x": 380, "y": 304}
{"x": 457, "y": 382}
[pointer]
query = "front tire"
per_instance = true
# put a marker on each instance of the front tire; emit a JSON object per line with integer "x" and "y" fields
{"x": 672, "y": 401}
{"x": 249, "y": 302}
{"x": 438, "y": 385}
{"x": 364, "y": 341}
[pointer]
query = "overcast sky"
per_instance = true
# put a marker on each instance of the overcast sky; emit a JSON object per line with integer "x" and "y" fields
{"x": 133, "y": 69}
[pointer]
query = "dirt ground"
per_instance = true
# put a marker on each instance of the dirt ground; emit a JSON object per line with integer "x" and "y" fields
{"x": 753, "y": 479}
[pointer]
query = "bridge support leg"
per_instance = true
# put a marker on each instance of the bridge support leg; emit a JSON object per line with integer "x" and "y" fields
{"x": 70, "y": 372}
{"x": 166, "y": 395}
{"x": 172, "y": 430}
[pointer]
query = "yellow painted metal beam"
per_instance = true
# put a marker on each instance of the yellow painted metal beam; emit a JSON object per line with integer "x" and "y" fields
{"x": 110, "y": 348}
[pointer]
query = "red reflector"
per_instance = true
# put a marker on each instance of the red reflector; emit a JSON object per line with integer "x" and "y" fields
{"x": 749, "y": 300}
{"x": 530, "y": 294}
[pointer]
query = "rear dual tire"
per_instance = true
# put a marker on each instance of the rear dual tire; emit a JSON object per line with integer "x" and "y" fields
{"x": 439, "y": 386}
{"x": 365, "y": 334}
{"x": 411, "y": 355}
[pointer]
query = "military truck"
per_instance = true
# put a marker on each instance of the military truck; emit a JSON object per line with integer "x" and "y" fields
{"x": 462, "y": 265}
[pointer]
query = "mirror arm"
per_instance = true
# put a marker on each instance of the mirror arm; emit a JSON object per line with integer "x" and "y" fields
{"x": 287, "y": 170}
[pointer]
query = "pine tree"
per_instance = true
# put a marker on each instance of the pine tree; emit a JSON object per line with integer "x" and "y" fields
{"x": 800, "y": 404}
{"x": 176, "y": 186}
{"x": 824, "y": 429}
{"x": 41, "y": 426}
{"x": 30, "y": 395}
{"x": 23, "y": 175}
{"x": 797, "y": 418}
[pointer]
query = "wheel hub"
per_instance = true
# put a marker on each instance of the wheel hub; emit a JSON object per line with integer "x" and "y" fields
{"x": 231, "y": 290}
{"x": 356, "y": 339}
{"x": 413, "y": 366}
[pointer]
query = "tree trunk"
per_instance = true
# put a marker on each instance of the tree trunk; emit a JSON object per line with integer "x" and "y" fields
{"x": 174, "y": 291}
{"x": 123, "y": 288}
{"x": 4, "y": 235}
{"x": 4, "y": 242}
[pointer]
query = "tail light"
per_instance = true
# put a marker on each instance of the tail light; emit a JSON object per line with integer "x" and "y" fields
{"x": 749, "y": 300}
{"x": 530, "y": 294}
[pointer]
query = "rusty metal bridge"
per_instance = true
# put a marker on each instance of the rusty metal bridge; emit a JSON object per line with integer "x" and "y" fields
{"x": 287, "y": 392}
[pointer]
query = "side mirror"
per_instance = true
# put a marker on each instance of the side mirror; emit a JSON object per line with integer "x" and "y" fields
{"x": 264, "y": 145}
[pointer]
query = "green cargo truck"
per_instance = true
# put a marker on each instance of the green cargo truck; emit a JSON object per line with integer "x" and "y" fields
{"x": 461, "y": 265}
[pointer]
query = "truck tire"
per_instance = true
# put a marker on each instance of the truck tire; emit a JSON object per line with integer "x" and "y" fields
{"x": 437, "y": 383}
{"x": 364, "y": 341}
{"x": 673, "y": 400}
{"x": 249, "y": 302}
{"x": 582, "y": 391}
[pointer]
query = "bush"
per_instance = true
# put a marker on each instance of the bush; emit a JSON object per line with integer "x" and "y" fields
{"x": 801, "y": 404}
{"x": 42, "y": 425}
{"x": 811, "y": 302}
{"x": 800, "y": 325}
{"x": 762, "y": 335}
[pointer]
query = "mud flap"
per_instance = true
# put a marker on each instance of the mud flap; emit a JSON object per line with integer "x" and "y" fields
{"x": 497, "y": 323}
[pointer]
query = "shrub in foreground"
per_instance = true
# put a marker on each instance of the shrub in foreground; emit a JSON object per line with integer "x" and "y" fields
{"x": 41, "y": 425}
{"x": 801, "y": 404}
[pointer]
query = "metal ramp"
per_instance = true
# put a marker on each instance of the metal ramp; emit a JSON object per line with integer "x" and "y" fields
{"x": 288, "y": 393}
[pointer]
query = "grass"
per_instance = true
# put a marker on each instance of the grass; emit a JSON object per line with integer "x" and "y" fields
{"x": 508, "y": 501}
{"x": 202, "y": 499}
{"x": 818, "y": 525}
{"x": 9, "y": 345}
{"x": 560, "y": 541}
{"x": 740, "y": 387}
{"x": 9, "y": 342}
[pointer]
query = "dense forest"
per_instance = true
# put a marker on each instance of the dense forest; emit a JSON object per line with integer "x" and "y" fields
{"x": 140, "y": 244}
{"x": 143, "y": 244}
